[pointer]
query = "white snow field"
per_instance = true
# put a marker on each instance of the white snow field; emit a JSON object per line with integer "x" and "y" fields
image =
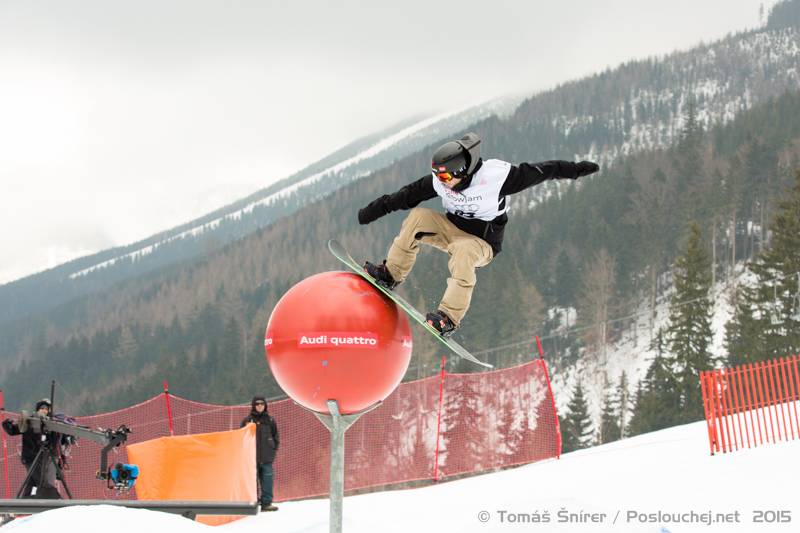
{"x": 665, "y": 481}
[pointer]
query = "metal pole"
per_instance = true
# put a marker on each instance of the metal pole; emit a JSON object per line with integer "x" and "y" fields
{"x": 338, "y": 423}
{"x": 169, "y": 410}
{"x": 438, "y": 426}
{"x": 5, "y": 453}
{"x": 337, "y": 467}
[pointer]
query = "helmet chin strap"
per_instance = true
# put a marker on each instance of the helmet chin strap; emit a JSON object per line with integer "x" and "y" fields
{"x": 465, "y": 182}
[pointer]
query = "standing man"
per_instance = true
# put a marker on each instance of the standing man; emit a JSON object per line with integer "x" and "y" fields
{"x": 267, "y": 442}
{"x": 475, "y": 195}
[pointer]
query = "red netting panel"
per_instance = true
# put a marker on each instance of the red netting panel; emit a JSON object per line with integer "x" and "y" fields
{"x": 496, "y": 419}
{"x": 396, "y": 442}
{"x": 488, "y": 420}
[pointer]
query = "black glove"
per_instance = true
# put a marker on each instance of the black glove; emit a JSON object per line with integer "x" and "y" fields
{"x": 372, "y": 212}
{"x": 8, "y": 425}
{"x": 585, "y": 168}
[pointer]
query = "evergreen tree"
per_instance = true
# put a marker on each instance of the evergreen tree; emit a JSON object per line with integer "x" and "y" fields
{"x": 716, "y": 203}
{"x": 690, "y": 165}
{"x": 511, "y": 438}
{"x": 615, "y": 411}
{"x": 689, "y": 333}
{"x": 566, "y": 279}
{"x": 127, "y": 343}
{"x": 657, "y": 404}
{"x": 228, "y": 374}
{"x": 576, "y": 425}
{"x": 184, "y": 380}
{"x": 464, "y": 438}
{"x": 766, "y": 321}
{"x": 624, "y": 402}
{"x": 608, "y": 429}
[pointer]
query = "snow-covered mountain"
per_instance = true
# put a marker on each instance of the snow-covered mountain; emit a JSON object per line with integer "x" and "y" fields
{"x": 602, "y": 117}
{"x": 240, "y": 218}
{"x": 355, "y": 161}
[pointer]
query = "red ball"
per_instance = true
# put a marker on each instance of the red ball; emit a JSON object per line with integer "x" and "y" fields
{"x": 334, "y": 336}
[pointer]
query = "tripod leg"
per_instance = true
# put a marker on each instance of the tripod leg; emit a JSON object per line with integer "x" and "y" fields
{"x": 30, "y": 472}
{"x": 60, "y": 475}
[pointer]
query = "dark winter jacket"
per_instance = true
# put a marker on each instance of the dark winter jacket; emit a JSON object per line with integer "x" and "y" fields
{"x": 267, "y": 439}
{"x": 31, "y": 440}
{"x": 519, "y": 178}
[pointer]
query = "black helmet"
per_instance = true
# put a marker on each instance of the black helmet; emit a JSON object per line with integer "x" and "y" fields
{"x": 43, "y": 401}
{"x": 456, "y": 159}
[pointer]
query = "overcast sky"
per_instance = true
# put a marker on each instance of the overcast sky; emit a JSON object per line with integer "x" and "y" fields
{"x": 119, "y": 119}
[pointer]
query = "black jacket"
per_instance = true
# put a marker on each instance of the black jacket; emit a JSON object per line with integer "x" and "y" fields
{"x": 267, "y": 438}
{"x": 31, "y": 440}
{"x": 519, "y": 178}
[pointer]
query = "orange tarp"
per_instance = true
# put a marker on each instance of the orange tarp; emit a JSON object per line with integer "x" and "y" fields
{"x": 206, "y": 467}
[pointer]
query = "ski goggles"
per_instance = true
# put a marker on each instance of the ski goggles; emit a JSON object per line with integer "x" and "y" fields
{"x": 444, "y": 177}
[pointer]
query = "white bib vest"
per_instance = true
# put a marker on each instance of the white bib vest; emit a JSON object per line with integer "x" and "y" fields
{"x": 481, "y": 199}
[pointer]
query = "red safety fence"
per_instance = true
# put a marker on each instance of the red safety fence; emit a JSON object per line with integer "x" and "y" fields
{"x": 751, "y": 404}
{"x": 428, "y": 429}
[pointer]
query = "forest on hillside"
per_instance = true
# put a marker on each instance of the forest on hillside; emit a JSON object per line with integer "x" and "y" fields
{"x": 607, "y": 116}
{"x": 598, "y": 245}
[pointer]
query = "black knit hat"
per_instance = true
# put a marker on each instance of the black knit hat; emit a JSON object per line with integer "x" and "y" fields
{"x": 258, "y": 399}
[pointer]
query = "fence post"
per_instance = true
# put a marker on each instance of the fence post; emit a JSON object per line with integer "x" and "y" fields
{"x": 775, "y": 385}
{"x": 785, "y": 399}
{"x": 732, "y": 438}
{"x": 794, "y": 392}
{"x": 169, "y": 411}
{"x": 716, "y": 408}
{"x": 709, "y": 419}
{"x": 5, "y": 454}
{"x": 768, "y": 399}
{"x": 552, "y": 398}
{"x": 745, "y": 408}
{"x": 762, "y": 399}
{"x": 439, "y": 426}
{"x": 755, "y": 409}
{"x": 722, "y": 414}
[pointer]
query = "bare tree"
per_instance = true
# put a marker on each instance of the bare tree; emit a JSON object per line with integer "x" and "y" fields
{"x": 653, "y": 213}
{"x": 598, "y": 281}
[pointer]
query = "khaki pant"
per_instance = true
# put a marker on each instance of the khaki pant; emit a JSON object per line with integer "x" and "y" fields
{"x": 467, "y": 252}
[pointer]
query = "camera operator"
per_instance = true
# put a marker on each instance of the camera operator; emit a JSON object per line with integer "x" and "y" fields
{"x": 32, "y": 442}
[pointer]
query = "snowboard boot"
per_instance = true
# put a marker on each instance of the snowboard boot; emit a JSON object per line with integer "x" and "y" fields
{"x": 381, "y": 275}
{"x": 269, "y": 508}
{"x": 441, "y": 323}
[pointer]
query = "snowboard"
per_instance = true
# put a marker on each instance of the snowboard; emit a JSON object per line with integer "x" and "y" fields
{"x": 341, "y": 254}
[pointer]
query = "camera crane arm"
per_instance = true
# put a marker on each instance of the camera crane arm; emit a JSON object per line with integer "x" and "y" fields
{"x": 110, "y": 437}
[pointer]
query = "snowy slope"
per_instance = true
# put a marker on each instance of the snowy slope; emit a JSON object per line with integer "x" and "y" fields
{"x": 633, "y": 352}
{"x": 622, "y": 486}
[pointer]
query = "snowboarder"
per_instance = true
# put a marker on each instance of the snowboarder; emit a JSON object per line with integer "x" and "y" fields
{"x": 475, "y": 193}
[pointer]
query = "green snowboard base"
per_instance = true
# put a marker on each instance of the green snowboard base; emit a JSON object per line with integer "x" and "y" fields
{"x": 342, "y": 255}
